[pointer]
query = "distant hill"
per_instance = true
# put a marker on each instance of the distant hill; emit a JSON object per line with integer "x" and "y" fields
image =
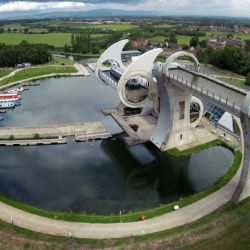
{"x": 90, "y": 13}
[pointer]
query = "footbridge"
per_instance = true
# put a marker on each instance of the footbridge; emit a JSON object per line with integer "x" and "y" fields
{"x": 171, "y": 89}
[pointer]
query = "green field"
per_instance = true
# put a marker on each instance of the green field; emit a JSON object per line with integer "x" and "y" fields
{"x": 243, "y": 36}
{"x": 4, "y": 73}
{"x": 183, "y": 39}
{"x": 113, "y": 26}
{"x": 55, "y": 39}
{"x": 180, "y": 39}
{"x": 158, "y": 38}
{"x": 36, "y": 72}
{"x": 165, "y": 25}
{"x": 61, "y": 61}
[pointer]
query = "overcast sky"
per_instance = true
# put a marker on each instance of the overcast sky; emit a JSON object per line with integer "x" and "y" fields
{"x": 239, "y": 8}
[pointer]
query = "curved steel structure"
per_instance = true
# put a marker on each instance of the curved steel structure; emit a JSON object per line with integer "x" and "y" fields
{"x": 176, "y": 92}
{"x": 141, "y": 67}
{"x": 201, "y": 111}
{"x": 113, "y": 53}
{"x": 172, "y": 58}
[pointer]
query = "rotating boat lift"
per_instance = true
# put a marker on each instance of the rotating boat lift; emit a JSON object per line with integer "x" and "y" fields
{"x": 176, "y": 93}
{"x": 172, "y": 129}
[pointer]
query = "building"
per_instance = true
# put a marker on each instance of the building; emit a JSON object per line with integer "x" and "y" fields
{"x": 27, "y": 65}
{"x": 128, "y": 54}
{"x": 140, "y": 42}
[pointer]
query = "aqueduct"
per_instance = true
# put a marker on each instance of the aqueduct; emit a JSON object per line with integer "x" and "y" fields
{"x": 176, "y": 88}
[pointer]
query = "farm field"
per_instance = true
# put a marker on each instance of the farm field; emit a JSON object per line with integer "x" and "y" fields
{"x": 54, "y": 39}
{"x": 183, "y": 39}
{"x": 158, "y": 38}
{"x": 244, "y": 36}
{"x": 113, "y": 26}
{"x": 165, "y": 25}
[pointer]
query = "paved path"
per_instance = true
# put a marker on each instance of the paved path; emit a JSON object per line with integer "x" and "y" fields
{"x": 61, "y": 130}
{"x": 115, "y": 230}
{"x": 33, "y": 142}
{"x": 81, "y": 69}
{"x": 12, "y": 73}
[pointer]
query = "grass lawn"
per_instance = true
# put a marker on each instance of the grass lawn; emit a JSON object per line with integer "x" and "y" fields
{"x": 183, "y": 39}
{"x": 36, "y": 72}
{"x": 158, "y": 38}
{"x": 62, "y": 61}
{"x": 165, "y": 25}
{"x": 227, "y": 228}
{"x": 55, "y": 39}
{"x": 113, "y": 26}
{"x": 234, "y": 81}
{"x": 225, "y": 72}
{"x": 4, "y": 73}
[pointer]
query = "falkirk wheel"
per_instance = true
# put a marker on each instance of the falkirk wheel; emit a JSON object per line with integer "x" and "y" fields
{"x": 171, "y": 130}
{"x": 170, "y": 97}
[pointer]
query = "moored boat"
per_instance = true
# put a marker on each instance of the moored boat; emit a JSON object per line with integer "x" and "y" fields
{"x": 7, "y": 104}
{"x": 16, "y": 90}
{"x": 10, "y": 96}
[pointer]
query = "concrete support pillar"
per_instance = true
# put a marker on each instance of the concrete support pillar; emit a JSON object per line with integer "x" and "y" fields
{"x": 181, "y": 132}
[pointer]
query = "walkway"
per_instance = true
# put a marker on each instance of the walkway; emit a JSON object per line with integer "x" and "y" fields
{"x": 62, "y": 130}
{"x": 116, "y": 230}
{"x": 12, "y": 73}
{"x": 81, "y": 69}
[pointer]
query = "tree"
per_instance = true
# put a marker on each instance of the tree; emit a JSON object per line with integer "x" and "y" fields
{"x": 248, "y": 79}
{"x": 95, "y": 50}
{"x": 203, "y": 43}
{"x": 66, "y": 48}
{"x": 247, "y": 47}
{"x": 81, "y": 43}
{"x": 10, "y": 55}
{"x": 194, "y": 41}
{"x": 26, "y": 30}
{"x": 172, "y": 39}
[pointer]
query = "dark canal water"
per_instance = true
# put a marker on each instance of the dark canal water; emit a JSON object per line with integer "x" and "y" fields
{"x": 104, "y": 177}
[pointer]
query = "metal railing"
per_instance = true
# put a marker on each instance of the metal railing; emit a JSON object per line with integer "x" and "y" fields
{"x": 234, "y": 81}
{"x": 108, "y": 80}
{"x": 224, "y": 101}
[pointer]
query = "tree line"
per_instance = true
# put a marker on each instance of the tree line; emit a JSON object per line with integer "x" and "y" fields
{"x": 10, "y": 55}
{"x": 232, "y": 58}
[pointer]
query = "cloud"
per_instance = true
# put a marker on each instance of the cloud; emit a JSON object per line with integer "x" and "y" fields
{"x": 24, "y": 6}
{"x": 166, "y": 7}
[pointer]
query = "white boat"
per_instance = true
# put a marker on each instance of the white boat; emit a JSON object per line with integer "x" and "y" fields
{"x": 7, "y": 104}
{"x": 16, "y": 90}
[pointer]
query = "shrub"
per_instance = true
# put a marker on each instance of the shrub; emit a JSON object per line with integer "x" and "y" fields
{"x": 36, "y": 136}
{"x": 11, "y": 137}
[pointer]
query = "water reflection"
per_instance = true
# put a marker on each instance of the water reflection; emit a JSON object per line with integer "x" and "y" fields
{"x": 102, "y": 178}
{"x": 64, "y": 100}
{"x": 105, "y": 177}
